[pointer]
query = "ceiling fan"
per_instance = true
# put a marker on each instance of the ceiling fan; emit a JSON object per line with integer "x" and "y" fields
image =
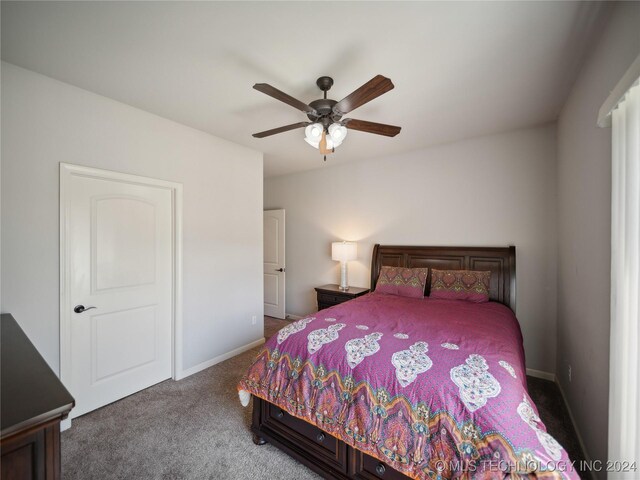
{"x": 327, "y": 129}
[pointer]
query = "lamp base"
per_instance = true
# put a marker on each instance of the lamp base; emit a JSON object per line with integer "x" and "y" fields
{"x": 344, "y": 282}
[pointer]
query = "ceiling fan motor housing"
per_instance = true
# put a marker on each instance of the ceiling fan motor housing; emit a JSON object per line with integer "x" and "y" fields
{"x": 324, "y": 106}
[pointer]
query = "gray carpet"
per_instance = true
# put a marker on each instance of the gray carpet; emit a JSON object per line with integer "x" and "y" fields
{"x": 197, "y": 429}
{"x": 191, "y": 429}
{"x": 554, "y": 414}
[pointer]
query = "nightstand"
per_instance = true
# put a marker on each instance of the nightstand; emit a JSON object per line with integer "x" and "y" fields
{"x": 330, "y": 295}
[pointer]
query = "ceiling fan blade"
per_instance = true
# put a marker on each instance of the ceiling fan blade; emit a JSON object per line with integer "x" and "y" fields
{"x": 371, "y": 127}
{"x": 367, "y": 92}
{"x": 286, "y": 128}
{"x": 283, "y": 97}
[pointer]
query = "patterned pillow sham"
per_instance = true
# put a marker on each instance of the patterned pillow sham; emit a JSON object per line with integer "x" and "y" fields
{"x": 469, "y": 285}
{"x": 404, "y": 282}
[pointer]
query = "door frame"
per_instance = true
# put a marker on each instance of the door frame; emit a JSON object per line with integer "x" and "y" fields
{"x": 67, "y": 171}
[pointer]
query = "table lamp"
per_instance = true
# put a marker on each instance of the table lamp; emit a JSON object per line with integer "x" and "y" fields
{"x": 343, "y": 252}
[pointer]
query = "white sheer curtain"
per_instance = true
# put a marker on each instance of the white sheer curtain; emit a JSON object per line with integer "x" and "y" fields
{"x": 624, "y": 388}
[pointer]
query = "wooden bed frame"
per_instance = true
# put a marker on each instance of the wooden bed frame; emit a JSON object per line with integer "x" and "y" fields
{"x": 324, "y": 453}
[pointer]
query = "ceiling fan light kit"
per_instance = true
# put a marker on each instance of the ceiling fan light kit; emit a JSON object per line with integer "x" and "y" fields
{"x": 327, "y": 129}
{"x": 335, "y": 135}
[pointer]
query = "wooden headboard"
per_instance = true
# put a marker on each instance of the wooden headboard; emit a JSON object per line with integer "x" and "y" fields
{"x": 500, "y": 260}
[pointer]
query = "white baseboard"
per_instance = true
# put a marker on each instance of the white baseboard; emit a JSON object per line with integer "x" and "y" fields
{"x": 575, "y": 428}
{"x": 290, "y": 316}
{"x": 540, "y": 374}
{"x": 65, "y": 424}
{"x": 220, "y": 358}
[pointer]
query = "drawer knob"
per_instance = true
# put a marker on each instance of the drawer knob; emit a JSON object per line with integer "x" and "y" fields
{"x": 380, "y": 469}
{"x": 280, "y": 414}
{"x": 320, "y": 437}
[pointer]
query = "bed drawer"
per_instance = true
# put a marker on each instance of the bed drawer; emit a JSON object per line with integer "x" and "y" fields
{"x": 310, "y": 432}
{"x": 369, "y": 468}
{"x": 309, "y": 437}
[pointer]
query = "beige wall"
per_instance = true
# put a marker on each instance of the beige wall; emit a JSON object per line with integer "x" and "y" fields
{"x": 584, "y": 220}
{"x": 45, "y": 122}
{"x": 496, "y": 190}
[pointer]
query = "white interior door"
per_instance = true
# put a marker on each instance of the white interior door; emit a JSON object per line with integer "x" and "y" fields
{"x": 274, "y": 267}
{"x": 118, "y": 265}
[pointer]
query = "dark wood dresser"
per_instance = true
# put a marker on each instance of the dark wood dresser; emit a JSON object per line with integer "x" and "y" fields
{"x": 33, "y": 402}
{"x": 330, "y": 295}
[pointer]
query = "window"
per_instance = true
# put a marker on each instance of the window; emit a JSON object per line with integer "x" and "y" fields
{"x": 624, "y": 388}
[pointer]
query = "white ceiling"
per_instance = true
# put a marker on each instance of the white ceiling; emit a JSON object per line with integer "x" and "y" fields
{"x": 460, "y": 69}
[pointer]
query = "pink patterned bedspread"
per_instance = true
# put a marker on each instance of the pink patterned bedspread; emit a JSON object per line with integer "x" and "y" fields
{"x": 434, "y": 388}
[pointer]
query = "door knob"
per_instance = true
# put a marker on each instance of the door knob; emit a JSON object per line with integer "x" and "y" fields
{"x": 279, "y": 269}
{"x": 81, "y": 308}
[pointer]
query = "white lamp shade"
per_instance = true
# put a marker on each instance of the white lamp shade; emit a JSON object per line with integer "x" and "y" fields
{"x": 344, "y": 251}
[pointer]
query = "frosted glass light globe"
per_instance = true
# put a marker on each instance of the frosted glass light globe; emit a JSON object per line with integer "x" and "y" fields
{"x": 337, "y": 132}
{"x": 313, "y": 132}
